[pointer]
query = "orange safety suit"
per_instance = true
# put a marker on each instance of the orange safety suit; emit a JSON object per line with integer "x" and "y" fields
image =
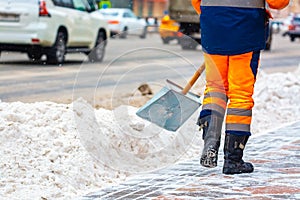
{"x": 233, "y": 32}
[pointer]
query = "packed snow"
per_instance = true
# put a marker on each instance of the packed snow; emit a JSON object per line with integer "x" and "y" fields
{"x": 63, "y": 151}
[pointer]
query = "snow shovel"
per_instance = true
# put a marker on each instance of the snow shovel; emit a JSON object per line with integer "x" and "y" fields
{"x": 169, "y": 109}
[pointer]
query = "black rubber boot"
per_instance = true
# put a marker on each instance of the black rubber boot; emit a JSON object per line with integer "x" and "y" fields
{"x": 233, "y": 154}
{"x": 212, "y": 127}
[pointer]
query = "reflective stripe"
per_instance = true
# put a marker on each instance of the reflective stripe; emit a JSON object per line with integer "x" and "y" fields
{"x": 212, "y": 100}
{"x": 216, "y": 98}
{"x": 239, "y": 112}
{"x": 214, "y": 107}
{"x": 217, "y": 95}
{"x": 235, "y": 3}
{"x": 238, "y": 127}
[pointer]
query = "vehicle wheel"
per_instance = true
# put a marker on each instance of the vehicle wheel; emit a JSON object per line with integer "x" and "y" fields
{"x": 34, "y": 55}
{"x": 143, "y": 36}
{"x": 292, "y": 39}
{"x": 97, "y": 54}
{"x": 165, "y": 40}
{"x": 56, "y": 54}
{"x": 124, "y": 34}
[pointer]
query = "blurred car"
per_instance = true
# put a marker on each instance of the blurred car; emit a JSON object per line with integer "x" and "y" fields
{"x": 52, "y": 28}
{"x": 276, "y": 25}
{"x": 291, "y": 26}
{"x": 169, "y": 30}
{"x": 123, "y": 22}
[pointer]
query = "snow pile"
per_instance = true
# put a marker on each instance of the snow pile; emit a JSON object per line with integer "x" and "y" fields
{"x": 41, "y": 155}
{"x": 62, "y": 151}
{"x": 50, "y": 151}
{"x": 276, "y": 99}
{"x": 122, "y": 141}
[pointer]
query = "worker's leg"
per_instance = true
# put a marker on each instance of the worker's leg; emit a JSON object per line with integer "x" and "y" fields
{"x": 241, "y": 78}
{"x": 214, "y": 106}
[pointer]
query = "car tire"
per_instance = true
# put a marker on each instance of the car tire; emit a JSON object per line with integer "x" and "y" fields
{"x": 165, "y": 40}
{"x": 293, "y": 38}
{"x": 34, "y": 55}
{"x": 97, "y": 54}
{"x": 144, "y": 33}
{"x": 56, "y": 54}
{"x": 124, "y": 34}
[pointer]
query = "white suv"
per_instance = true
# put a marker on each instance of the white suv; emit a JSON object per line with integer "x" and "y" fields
{"x": 53, "y": 28}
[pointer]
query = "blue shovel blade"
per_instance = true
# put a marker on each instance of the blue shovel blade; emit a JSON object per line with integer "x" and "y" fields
{"x": 169, "y": 109}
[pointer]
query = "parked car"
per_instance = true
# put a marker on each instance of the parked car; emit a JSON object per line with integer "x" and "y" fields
{"x": 53, "y": 28}
{"x": 169, "y": 30}
{"x": 123, "y": 22}
{"x": 291, "y": 27}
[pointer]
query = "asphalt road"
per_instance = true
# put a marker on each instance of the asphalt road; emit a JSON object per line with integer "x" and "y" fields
{"x": 127, "y": 64}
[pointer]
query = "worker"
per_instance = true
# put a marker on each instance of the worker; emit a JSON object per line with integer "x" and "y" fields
{"x": 233, "y": 32}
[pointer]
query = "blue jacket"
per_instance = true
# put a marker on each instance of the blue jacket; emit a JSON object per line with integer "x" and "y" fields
{"x": 232, "y": 30}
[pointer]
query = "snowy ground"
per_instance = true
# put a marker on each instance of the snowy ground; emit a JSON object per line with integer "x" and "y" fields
{"x": 62, "y": 151}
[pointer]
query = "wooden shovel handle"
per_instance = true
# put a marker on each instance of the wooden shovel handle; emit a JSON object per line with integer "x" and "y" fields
{"x": 194, "y": 78}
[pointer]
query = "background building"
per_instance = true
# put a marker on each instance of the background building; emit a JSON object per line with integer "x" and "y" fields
{"x": 143, "y": 8}
{"x": 121, "y": 4}
{"x": 156, "y": 8}
{"x": 294, "y": 7}
{"x": 150, "y": 8}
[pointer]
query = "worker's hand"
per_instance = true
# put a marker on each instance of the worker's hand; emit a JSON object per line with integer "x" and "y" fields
{"x": 278, "y": 4}
{"x": 196, "y": 5}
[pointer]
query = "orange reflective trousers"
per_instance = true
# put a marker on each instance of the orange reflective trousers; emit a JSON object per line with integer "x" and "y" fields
{"x": 229, "y": 87}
